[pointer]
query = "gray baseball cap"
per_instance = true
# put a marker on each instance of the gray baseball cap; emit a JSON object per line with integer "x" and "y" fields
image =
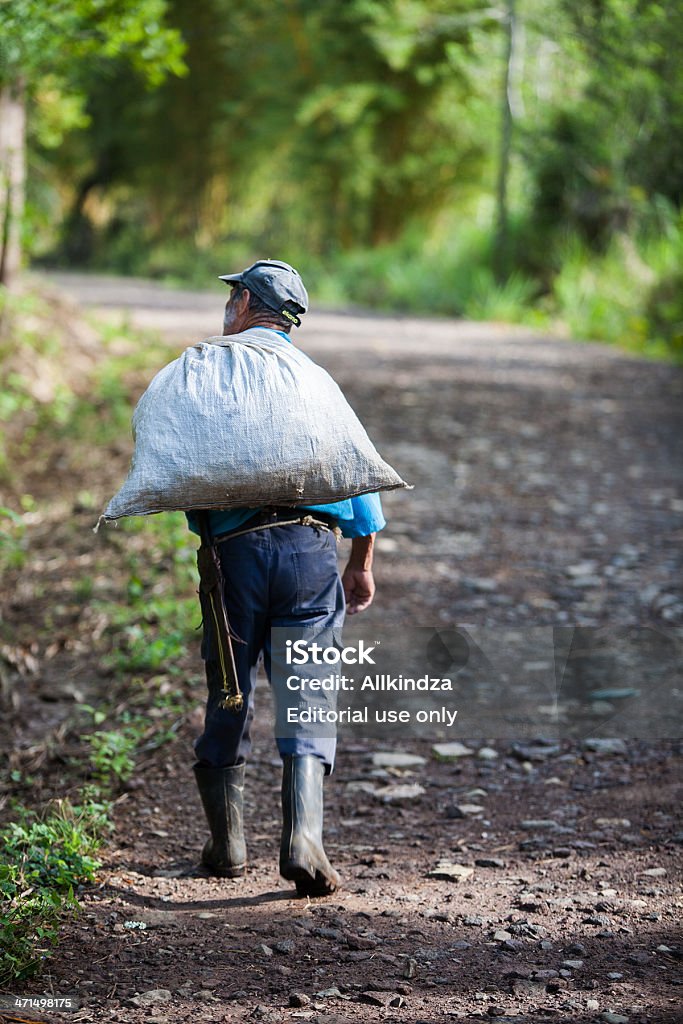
{"x": 277, "y": 284}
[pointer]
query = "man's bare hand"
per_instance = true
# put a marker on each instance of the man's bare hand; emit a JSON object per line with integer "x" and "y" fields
{"x": 359, "y": 589}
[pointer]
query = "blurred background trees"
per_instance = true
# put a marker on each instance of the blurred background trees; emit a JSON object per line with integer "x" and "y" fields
{"x": 365, "y": 141}
{"x": 44, "y": 62}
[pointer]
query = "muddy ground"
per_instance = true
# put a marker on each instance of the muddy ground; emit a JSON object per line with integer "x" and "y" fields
{"x": 547, "y": 516}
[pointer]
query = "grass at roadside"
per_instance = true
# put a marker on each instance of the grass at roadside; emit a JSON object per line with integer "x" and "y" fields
{"x": 44, "y": 860}
{"x": 124, "y": 602}
{"x": 629, "y": 293}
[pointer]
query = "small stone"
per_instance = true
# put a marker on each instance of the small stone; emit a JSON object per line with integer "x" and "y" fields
{"x": 526, "y": 987}
{"x": 451, "y": 751}
{"x": 331, "y": 993}
{"x": 487, "y": 754}
{"x": 612, "y": 823}
{"x": 464, "y": 810}
{"x": 400, "y": 794}
{"x": 335, "y": 934}
{"x": 384, "y": 999}
{"x": 613, "y": 1018}
{"x": 573, "y": 965}
{"x": 535, "y": 752}
{"x": 489, "y": 862}
{"x": 664, "y": 949}
{"x": 483, "y": 584}
{"x": 286, "y": 946}
{"x": 397, "y": 759}
{"x": 599, "y": 745}
{"x": 359, "y": 786}
{"x": 299, "y": 999}
{"x": 260, "y": 1012}
{"x": 581, "y": 569}
{"x": 640, "y": 958}
{"x": 361, "y": 942}
{"x": 577, "y": 949}
{"x": 654, "y": 873}
{"x": 266, "y": 950}
{"x": 615, "y": 976}
{"x": 451, "y": 871}
{"x": 599, "y": 919}
{"x": 592, "y": 1005}
{"x": 500, "y": 935}
{"x": 205, "y": 995}
{"x": 538, "y": 824}
{"x": 153, "y": 997}
{"x": 615, "y": 694}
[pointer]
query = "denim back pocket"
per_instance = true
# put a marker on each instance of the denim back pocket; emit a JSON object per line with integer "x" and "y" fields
{"x": 317, "y": 582}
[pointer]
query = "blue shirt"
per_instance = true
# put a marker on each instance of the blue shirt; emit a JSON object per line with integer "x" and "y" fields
{"x": 357, "y": 517}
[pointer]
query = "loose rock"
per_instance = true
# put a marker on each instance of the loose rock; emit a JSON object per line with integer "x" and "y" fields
{"x": 464, "y": 810}
{"x": 397, "y": 759}
{"x": 451, "y": 872}
{"x": 605, "y": 746}
{"x": 451, "y": 751}
{"x": 152, "y": 997}
{"x": 400, "y": 794}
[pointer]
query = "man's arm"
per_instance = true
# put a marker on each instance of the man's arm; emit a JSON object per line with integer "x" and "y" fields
{"x": 357, "y": 578}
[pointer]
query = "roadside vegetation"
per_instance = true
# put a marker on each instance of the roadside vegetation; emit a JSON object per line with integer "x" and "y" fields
{"x": 520, "y": 161}
{"x": 71, "y": 384}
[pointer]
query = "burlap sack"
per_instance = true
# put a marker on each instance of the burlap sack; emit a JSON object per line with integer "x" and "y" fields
{"x": 246, "y": 420}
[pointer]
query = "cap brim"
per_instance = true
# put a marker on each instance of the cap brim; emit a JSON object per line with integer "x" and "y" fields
{"x": 229, "y": 278}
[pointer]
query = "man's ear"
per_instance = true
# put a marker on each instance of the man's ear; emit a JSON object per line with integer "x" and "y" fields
{"x": 243, "y": 300}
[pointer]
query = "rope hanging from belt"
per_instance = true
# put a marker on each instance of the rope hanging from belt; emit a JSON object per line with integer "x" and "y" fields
{"x": 211, "y": 585}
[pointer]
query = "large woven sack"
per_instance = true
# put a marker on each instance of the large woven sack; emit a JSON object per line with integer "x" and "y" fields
{"x": 244, "y": 421}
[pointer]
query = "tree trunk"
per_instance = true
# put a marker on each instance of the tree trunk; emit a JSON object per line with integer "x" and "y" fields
{"x": 501, "y": 240}
{"x": 12, "y": 177}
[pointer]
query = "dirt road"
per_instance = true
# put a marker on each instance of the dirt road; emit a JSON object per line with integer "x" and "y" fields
{"x": 546, "y": 520}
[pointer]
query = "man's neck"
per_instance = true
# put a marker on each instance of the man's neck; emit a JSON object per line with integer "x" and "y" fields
{"x": 261, "y": 321}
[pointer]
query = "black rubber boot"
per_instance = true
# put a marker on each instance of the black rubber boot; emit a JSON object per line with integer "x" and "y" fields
{"x": 302, "y": 857}
{"x": 221, "y": 790}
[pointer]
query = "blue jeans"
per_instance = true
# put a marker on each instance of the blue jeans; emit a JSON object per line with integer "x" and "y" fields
{"x": 286, "y": 576}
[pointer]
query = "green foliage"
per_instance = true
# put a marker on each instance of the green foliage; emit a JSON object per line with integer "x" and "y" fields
{"x": 452, "y": 276}
{"x": 339, "y": 119}
{"x": 349, "y": 137}
{"x": 12, "y": 539}
{"x": 41, "y": 863}
{"x": 614, "y": 140}
{"x": 628, "y": 295}
{"x": 80, "y": 30}
{"x": 111, "y": 751}
{"x": 664, "y": 311}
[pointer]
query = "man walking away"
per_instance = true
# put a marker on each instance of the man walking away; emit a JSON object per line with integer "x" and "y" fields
{"x": 279, "y": 569}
